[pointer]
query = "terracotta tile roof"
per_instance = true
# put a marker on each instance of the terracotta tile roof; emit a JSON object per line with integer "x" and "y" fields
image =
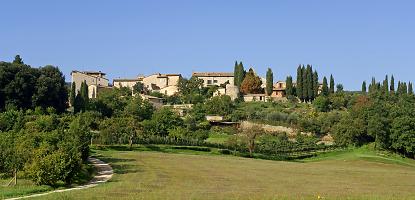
{"x": 212, "y": 74}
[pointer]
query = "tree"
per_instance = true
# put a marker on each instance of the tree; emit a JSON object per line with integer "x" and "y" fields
{"x": 289, "y": 88}
{"x": 139, "y": 109}
{"x": 403, "y": 135}
{"x": 321, "y": 103}
{"x": 72, "y": 94}
{"x": 269, "y": 82}
{"x": 251, "y": 84}
{"x": 18, "y": 60}
{"x": 410, "y": 88}
{"x": 331, "y": 84}
{"x": 364, "y": 87}
{"x": 385, "y": 86}
{"x": 299, "y": 87}
{"x": 339, "y": 88}
{"x": 162, "y": 121}
{"x": 50, "y": 90}
{"x": 219, "y": 105}
{"x": 239, "y": 74}
{"x": 392, "y": 85}
{"x": 325, "y": 88}
{"x": 309, "y": 80}
{"x": 138, "y": 88}
{"x": 305, "y": 83}
{"x": 316, "y": 84}
{"x": 250, "y": 135}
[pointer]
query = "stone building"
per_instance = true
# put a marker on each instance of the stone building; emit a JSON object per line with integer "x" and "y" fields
{"x": 95, "y": 80}
{"x": 215, "y": 78}
{"x": 163, "y": 83}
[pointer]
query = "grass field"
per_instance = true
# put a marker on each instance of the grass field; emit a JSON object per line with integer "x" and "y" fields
{"x": 179, "y": 174}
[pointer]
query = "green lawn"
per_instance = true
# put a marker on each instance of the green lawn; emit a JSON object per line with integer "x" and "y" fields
{"x": 180, "y": 174}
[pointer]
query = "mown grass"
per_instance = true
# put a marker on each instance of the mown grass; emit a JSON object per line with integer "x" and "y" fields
{"x": 160, "y": 172}
{"x": 25, "y": 187}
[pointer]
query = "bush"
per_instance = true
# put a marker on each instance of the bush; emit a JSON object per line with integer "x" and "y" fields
{"x": 193, "y": 148}
{"x": 225, "y": 151}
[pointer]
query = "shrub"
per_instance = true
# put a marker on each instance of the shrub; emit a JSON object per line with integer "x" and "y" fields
{"x": 225, "y": 151}
{"x": 193, "y": 148}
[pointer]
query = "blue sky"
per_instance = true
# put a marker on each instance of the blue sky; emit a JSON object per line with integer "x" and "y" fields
{"x": 354, "y": 39}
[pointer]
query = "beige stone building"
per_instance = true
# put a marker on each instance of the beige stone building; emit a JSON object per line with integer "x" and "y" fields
{"x": 278, "y": 90}
{"x": 230, "y": 90}
{"x": 95, "y": 81}
{"x": 214, "y": 78}
{"x": 163, "y": 83}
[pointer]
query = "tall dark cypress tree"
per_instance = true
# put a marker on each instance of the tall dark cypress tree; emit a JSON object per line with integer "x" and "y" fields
{"x": 310, "y": 85}
{"x": 392, "y": 85}
{"x": 18, "y": 60}
{"x": 331, "y": 84}
{"x": 385, "y": 85}
{"x": 289, "y": 89}
{"x": 325, "y": 89}
{"x": 72, "y": 94}
{"x": 410, "y": 88}
{"x": 84, "y": 95}
{"x": 269, "y": 81}
{"x": 305, "y": 84}
{"x": 364, "y": 87}
{"x": 404, "y": 88}
{"x": 299, "y": 86}
{"x": 236, "y": 74}
{"x": 399, "y": 89}
{"x": 316, "y": 85}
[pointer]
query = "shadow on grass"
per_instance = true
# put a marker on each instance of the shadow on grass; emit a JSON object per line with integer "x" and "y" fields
{"x": 121, "y": 165}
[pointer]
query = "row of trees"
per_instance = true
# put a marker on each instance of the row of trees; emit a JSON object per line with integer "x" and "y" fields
{"x": 386, "y": 89}
{"x": 307, "y": 87}
{"x": 24, "y": 87}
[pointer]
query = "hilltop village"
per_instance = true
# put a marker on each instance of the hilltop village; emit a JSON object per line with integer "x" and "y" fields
{"x": 168, "y": 85}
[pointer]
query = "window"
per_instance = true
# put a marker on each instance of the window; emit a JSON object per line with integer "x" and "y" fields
{"x": 209, "y": 82}
{"x": 215, "y": 81}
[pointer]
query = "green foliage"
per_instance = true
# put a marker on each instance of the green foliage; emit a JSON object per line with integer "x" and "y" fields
{"x": 239, "y": 74}
{"x": 331, "y": 89}
{"x": 300, "y": 84}
{"x": 322, "y": 104}
{"x": 364, "y": 87}
{"x": 325, "y": 88}
{"x": 162, "y": 121}
{"x": 139, "y": 109}
{"x": 289, "y": 90}
{"x": 251, "y": 83}
{"x": 186, "y": 134}
{"x": 138, "y": 88}
{"x": 219, "y": 105}
{"x": 269, "y": 81}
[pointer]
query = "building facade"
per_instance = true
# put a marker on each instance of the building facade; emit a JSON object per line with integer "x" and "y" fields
{"x": 163, "y": 83}
{"x": 215, "y": 78}
{"x": 93, "y": 79}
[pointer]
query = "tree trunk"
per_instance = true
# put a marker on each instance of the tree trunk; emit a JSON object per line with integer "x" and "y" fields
{"x": 15, "y": 176}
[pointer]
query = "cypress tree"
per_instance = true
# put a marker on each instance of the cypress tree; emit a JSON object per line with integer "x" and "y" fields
{"x": 316, "y": 85}
{"x": 310, "y": 89}
{"x": 404, "y": 88}
{"x": 325, "y": 89}
{"x": 269, "y": 81}
{"x": 392, "y": 86}
{"x": 18, "y": 60}
{"x": 299, "y": 87}
{"x": 364, "y": 87}
{"x": 331, "y": 84}
{"x": 386, "y": 85}
{"x": 289, "y": 90}
{"x": 399, "y": 89}
{"x": 72, "y": 94}
{"x": 410, "y": 89}
{"x": 305, "y": 84}
{"x": 84, "y": 95}
{"x": 236, "y": 74}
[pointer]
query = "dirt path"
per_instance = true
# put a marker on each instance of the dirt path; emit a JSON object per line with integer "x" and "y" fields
{"x": 104, "y": 173}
